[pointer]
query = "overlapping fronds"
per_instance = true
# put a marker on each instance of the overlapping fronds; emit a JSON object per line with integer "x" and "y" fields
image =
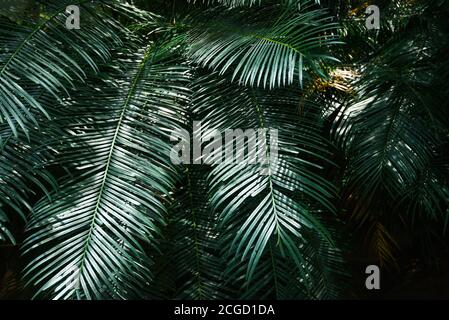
{"x": 269, "y": 204}
{"x": 261, "y": 216}
{"x": 199, "y": 263}
{"x": 392, "y": 131}
{"x": 43, "y": 53}
{"x": 22, "y": 175}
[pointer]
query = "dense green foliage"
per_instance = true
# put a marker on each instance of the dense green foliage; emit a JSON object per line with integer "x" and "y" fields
{"x": 86, "y": 117}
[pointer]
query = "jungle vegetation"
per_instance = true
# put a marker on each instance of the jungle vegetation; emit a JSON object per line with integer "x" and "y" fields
{"x": 91, "y": 207}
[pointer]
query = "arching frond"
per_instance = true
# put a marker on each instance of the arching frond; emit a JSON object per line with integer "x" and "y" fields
{"x": 266, "y": 206}
{"x": 262, "y": 50}
{"x": 46, "y": 55}
{"x": 96, "y": 228}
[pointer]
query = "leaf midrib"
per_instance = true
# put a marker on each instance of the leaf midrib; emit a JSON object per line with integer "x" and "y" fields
{"x": 270, "y": 248}
{"x": 130, "y": 94}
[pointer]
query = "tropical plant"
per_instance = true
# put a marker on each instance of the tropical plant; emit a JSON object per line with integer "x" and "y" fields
{"x": 87, "y": 116}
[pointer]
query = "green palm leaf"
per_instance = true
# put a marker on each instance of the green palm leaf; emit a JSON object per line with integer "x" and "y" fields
{"x": 97, "y": 227}
{"x": 263, "y": 213}
{"x": 22, "y": 173}
{"x": 45, "y": 54}
{"x": 261, "y": 50}
{"x": 197, "y": 257}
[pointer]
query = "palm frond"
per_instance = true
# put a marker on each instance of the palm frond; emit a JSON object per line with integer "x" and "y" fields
{"x": 96, "y": 228}
{"x": 45, "y": 54}
{"x": 21, "y": 166}
{"x": 260, "y": 52}
{"x": 389, "y": 144}
{"x": 258, "y": 211}
{"x": 391, "y": 132}
{"x": 200, "y": 265}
